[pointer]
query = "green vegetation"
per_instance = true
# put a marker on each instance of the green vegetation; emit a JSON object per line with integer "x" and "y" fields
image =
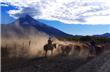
{"x": 102, "y": 40}
{"x": 74, "y": 38}
{"x": 86, "y": 38}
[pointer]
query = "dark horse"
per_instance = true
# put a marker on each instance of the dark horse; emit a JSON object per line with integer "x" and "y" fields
{"x": 99, "y": 49}
{"x": 65, "y": 49}
{"x": 49, "y": 47}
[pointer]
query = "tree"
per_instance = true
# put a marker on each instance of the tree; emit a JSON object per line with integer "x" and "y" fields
{"x": 85, "y": 38}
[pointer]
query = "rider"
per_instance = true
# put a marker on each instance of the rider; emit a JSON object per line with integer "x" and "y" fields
{"x": 50, "y": 41}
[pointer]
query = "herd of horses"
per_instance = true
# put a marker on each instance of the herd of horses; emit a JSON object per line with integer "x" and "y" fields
{"x": 66, "y": 49}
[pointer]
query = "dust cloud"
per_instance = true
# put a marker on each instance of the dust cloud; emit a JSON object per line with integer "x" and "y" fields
{"x": 33, "y": 47}
{"x": 24, "y": 47}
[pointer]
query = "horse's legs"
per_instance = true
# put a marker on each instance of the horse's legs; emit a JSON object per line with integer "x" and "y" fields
{"x": 45, "y": 53}
{"x": 94, "y": 50}
{"x": 51, "y": 52}
{"x": 65, "y": 53}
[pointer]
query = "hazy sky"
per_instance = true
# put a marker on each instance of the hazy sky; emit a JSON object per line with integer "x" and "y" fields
{"x": 71, "y": 16}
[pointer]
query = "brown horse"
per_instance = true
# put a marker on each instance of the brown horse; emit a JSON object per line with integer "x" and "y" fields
{"x": 99, "y": 49}
{"x": 49, "y": 47}
{"x": 65, "y": 49}
{"x": 77, "y": 47}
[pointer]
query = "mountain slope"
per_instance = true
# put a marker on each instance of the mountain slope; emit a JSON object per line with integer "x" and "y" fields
{"x": 103, "y": 35}
{"x": 26, "y": 24}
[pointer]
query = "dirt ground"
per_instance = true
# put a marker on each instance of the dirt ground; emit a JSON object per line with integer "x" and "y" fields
{"x": 43, "y": 64}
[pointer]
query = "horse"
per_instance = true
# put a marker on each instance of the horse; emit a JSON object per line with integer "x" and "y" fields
{"x": 65, "y": 49}
{"x": 77, "y": 47}
{"x": 99, "y": 49}
{"x": 94, "y": 51}
{"x": 49, "y": 47}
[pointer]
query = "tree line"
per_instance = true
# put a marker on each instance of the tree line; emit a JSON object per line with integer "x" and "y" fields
{"x": 86, "y": 38}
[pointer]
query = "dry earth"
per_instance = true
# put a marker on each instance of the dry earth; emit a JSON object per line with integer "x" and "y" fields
{"x": 98, "y": 64}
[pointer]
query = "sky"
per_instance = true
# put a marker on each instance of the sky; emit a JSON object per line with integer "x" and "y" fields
{"x": 78, "y": 29}
{"x": 77, "y": 17}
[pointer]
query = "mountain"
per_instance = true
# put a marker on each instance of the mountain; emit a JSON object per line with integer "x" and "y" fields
{"x": 26, "y": 26}
{"x": 103, "y": 35}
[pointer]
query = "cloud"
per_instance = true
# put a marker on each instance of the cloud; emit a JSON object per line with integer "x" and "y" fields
{"x": 67, "y": 11}
{"x": 22, "y": 11}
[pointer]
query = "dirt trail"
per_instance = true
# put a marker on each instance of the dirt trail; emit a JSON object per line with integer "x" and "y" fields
{"x": 99, "y": 64}
{"x": 56, "y": 64}
{"x": 64, "y": 64}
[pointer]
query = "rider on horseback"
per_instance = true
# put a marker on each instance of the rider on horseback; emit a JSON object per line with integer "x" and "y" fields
{"x": 50, "y": 41}
{"x": 49, "y": 46}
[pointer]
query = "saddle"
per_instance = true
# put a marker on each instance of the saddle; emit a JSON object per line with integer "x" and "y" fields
{"x": 49, "y": 46}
